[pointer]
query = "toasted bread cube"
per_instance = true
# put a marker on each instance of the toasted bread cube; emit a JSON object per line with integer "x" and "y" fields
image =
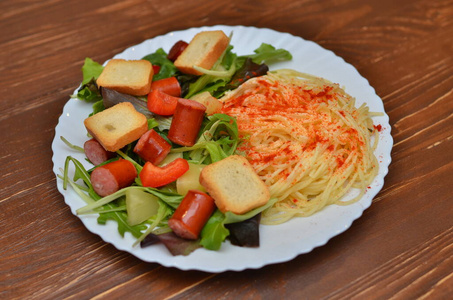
{"x": 131, "y": 77}
{"x": 203, "y": 51}
{"x": 117, "y": 126}
{"x": 234, "y": 185}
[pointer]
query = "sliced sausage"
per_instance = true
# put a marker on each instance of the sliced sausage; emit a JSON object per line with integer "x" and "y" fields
{"x": 152, "y": 147}
{"x": 96, "y": 153}
{"x": 176, "y": 50}
{"x": 192, "y": 214}
{"x": 186, "y": 122}
{"x": 111, "y": 177}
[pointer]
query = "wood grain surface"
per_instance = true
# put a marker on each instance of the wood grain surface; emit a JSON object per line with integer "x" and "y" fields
{"x": 402, "y": 246}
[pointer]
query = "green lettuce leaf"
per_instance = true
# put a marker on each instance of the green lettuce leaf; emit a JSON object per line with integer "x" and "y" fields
{"x": 214, "y": 232}
{"x": 266, "y": 54}
{"x": 218, "y": 85}
{"x": 89, "y": 90}
{"x": 91, "y": 70}
{"x": 159, "y": 58}
{"x": 211, "y": 82}
{"x": 218, "y": 140}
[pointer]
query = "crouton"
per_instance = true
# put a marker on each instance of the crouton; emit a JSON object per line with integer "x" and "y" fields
{"x": 234, "y": 185}
{"x": 117, "y": 126}
{"x": 131, "y": 77}
{"x": 203, "y": 51}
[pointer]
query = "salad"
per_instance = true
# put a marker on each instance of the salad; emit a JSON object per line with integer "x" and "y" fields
{"x": 144, "y": 209}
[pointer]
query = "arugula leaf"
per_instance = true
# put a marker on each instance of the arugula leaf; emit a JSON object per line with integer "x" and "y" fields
{"x": 121, "y": 219}
{"x": 159, "y": 58}
{"x": 204, "y": 82}
{"x": 266, "y": 54}
{"x": 218, "y": 140}
{"x": 163, "y": 213}
{"x": 95, "y": 204}
{"x": 248, "y": 70}
{"x": 171, "y": 199}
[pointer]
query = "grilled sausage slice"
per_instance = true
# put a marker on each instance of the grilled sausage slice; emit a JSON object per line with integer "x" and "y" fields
{"x": 111, "y": 177}
{"x": 186, "y": 122}
{"x": 96, "y": 153}
{"x": 192, "y": 214}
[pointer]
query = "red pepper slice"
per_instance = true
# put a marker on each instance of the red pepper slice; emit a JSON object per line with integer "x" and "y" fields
{"x": 161, "y": 103}
{"x": 168, "y": 85}
{"x": 154, "y": 176}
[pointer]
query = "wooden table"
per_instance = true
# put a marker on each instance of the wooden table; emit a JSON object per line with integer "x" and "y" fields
{"x": 400, "y": 248}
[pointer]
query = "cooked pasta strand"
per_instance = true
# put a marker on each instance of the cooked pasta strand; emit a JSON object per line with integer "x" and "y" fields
{"x": 306, "y": 140}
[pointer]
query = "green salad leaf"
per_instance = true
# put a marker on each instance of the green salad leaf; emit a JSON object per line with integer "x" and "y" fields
{"x": 266, "y": 54}
{"x": 89, "y": 90}
{"x": 120, "y": 217}
{"x": 214, "y": 232}
{"x": 159, "y": 58}
{"x": 218, "y": 140}
{"x": 91, "y": 70}
{"x": 205, "y": 82}
{"x": 230, "y": 67}
{"x": 93, "y": 199}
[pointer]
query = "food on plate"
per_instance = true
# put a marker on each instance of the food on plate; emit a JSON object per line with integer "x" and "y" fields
{"x": 152, "y": 147}
{"x": 132, "y": 77}
{"x": 164, "y": 95}
{"x": 95, "y": 153}
{"x": 117, "y": 126}
{"x": 176, "y": 50}
{"x": 140, "y": 206}
{"x": 186, "y": 122}
{"x": 155, "y": 176}
{"x": 161, "y": 104}
{"x": 245, "y": 233}
{"x": 234, "y": 185}
{"x": 203, "y": 51}
{"x": 305, "y": 139}
{"x": 169, "y": 86}
{"x": 213, "y": 105}
{"x": 113, "y": 176}
{"x": 192, "y": 214}
{"x": 190, "y": 180}
{"x": 112, "y": 97}
{"x": 216, "y": 145}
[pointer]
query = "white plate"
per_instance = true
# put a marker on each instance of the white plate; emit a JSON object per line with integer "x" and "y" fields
{"x": 278, "y": 243}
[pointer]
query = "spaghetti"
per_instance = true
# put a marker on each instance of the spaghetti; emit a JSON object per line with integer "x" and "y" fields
{"x": 306, "y": 140}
